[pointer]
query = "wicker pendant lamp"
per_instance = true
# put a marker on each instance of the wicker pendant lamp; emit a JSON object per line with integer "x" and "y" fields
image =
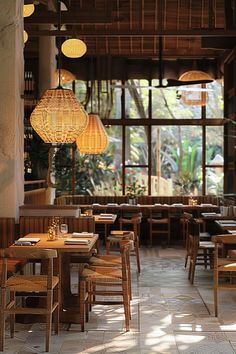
{"x": 28, "y": 10}
{"x": 59, "y": 117}
{"x": 66, "y": 76}
{"x": 73, "y": 48}
{"x": 94, "y": 139}
{"x": 194, "y": 97}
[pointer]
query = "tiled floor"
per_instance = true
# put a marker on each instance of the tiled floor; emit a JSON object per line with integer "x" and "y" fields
{"x": 168, "y": 316}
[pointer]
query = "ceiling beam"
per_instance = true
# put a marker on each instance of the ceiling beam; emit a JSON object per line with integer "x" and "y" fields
{"x": 141, "y": 33}
{"x": 218, "y": 43}
{"x": 67, "y": 17}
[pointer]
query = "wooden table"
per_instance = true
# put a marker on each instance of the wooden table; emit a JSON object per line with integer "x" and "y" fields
{"x": 105, "y": 221}
{"x": 69, "y": 302}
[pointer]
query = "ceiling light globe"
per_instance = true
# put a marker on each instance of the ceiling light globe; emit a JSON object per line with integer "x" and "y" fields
{"x": 28, "y": 10}
{"x": 73, "y": 48}
{"x": 25, "y": 36}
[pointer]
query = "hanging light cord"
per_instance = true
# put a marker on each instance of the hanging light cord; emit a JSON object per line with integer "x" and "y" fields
{"x": 59, "y": 43}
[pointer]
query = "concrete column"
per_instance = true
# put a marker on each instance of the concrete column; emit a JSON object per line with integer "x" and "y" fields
{"x": 47, "y": 62}
{"x": 47, "y": 67}
{"x": 11, "y": 107}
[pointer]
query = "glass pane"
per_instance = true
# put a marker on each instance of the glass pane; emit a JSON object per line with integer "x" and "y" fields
{"x": 109, "y": 168}
{"x": 93, "y": 174}
{"x": 176, "y": 160}
{"x": 214, "y": 145}
{"x": 167, "y": 103}
{"x": 136, "y": 99}
{"x": 215, "y": 104}
{"x": 136, "y": 181}
{"x": 214, "y": 180}
{"x": 114, "y": 99}
{"x": 136, "y": 151}
{"x": 81, "y": 91}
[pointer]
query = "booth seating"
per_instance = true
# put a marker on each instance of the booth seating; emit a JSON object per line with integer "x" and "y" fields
{"x": 142, "y": 200}
{"x": 7, "y": 238}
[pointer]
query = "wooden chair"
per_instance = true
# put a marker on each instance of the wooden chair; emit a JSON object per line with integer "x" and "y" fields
{"x": 224, "y": 265}
{"x": 187, "y": 219}
{"x": 46, "y": 286}
{"x": 92, "y": 277}
{"x": 199, "y": 252}
{"x": 112, "y": 260}
{"x": 125, "y": 225}
{"x": 159, "y": 223}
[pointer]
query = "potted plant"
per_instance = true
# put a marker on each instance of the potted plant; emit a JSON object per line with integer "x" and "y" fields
{"x": 134, "y": 190}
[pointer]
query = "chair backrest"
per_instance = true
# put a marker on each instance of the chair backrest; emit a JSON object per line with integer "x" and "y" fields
{"x": 193, "y": 237}
{"x": 224, "y": 244}
{"x": 125, "y": 248}
{"x": 137, "y": 217}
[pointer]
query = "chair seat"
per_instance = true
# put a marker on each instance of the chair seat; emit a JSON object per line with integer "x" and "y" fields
{"x": 105, "y": 260}
{"x": 30, "y": 283}
{"x": 106, "y": 274}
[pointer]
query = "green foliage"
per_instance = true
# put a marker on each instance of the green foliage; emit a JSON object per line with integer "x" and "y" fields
{"x": 133, "y": 188}
{"x": 89, "y": 171}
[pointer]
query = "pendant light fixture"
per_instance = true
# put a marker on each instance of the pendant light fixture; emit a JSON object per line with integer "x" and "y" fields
{"x": 193, "y": 97}
{"x": 28, "y": 10}
{"x": 94, "y": 139}
{"x": 73, "y": 48}
{"x": 25, "y": 36}
{"x": 59, "y": 117}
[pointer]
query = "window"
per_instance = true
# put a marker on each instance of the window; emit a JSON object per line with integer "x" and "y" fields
{"x": 168, "y": 146}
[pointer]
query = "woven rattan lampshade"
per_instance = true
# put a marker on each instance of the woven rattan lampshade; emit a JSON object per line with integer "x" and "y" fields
{"x": 66, "y": 77}
{"x": 28, "y": 10}
{"x": 59, "y": 117}
{"x": 194, "y": 97}
{"x": 25, "y": 36}
{"x": 73, "y": 48}
{"x": 94, "y": 139}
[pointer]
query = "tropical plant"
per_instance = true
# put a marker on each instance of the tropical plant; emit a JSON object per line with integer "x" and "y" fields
{"x": 134, "y": 189}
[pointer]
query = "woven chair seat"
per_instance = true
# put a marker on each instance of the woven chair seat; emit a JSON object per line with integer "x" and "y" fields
{"x": 30, "y": 283}
{"x": 104, "y": 274}
{"x": 105, "y": 260}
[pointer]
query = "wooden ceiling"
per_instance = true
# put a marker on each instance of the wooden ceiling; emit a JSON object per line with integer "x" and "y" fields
{"x": 191, "y": 29}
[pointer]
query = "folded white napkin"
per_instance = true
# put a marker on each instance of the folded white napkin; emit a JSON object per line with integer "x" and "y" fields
{"x": 74, "y": 241}
{"x": 82, "y": 234}
{"x": 103, "y": 214}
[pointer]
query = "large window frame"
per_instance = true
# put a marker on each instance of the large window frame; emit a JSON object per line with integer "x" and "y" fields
{"x": 148, "y": 123}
